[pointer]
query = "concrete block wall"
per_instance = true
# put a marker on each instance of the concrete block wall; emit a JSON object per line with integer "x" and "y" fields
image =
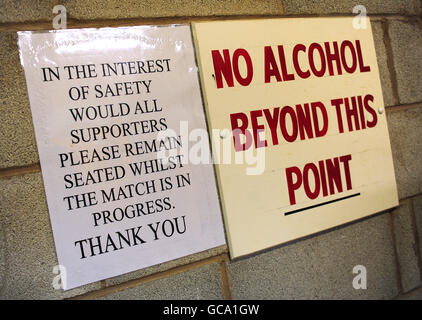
{"x": 388, "y": 244}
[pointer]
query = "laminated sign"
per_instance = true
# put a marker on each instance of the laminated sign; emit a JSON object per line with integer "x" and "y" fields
{"x": 302, "y": 141}
{"x": 113, "y": 109}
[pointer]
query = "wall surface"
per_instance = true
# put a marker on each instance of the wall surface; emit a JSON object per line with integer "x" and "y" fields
{"x": 388, "y": 244}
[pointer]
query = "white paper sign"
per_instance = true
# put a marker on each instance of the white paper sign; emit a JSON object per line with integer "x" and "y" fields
{"x": 121, "y": 194}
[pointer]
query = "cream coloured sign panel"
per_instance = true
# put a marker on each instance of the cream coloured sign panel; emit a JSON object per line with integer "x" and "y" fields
{"x": 300, "y": 101}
